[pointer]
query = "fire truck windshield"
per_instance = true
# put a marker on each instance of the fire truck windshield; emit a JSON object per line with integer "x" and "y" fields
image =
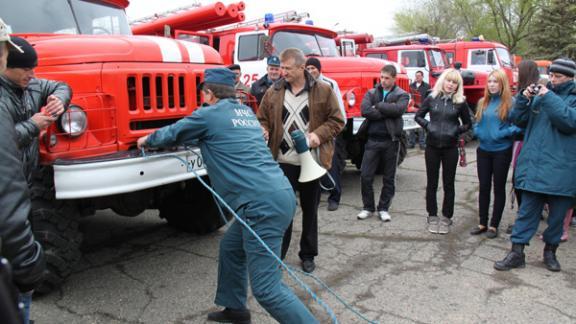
{"x": 437, "y": 59}
{"x": 310, "y": 44}
{"x": 504, "y": 56}
{"x": 64, "y": 17}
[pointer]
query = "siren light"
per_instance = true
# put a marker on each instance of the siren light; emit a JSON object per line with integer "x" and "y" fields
{"x": 268, "y": 18}
{"x": 309, "y": 22}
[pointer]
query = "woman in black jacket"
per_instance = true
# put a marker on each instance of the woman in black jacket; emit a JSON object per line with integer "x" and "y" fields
{"x": 449, "y": 117}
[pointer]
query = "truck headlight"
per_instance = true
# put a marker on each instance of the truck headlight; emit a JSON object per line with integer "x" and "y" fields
{"x": 74, "y": 122}
{"x": 351, "y": 99}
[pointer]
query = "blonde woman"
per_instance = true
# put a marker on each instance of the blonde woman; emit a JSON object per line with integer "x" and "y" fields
{"x": 495, "y": 133}
{"x": 449, "y": 117}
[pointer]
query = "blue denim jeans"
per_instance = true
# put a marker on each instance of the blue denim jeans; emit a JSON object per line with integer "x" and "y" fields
{"x": 25, "y": 299}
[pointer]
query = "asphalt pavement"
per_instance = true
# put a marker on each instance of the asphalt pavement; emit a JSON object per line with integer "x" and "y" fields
{"x": 139, "y": 270}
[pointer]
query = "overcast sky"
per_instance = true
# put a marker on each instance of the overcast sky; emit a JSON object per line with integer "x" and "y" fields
{"x": 375, "y": 17}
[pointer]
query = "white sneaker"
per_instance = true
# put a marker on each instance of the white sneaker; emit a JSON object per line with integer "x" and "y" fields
{"x": 364, "y": 214}
{"x": 384, "y": 216}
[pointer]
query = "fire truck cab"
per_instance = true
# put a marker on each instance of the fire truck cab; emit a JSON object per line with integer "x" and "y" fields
{"x": 250, "y": 43}
{"x": 480, "y": 55}
{"x": 124, "y": 87}
{"x": 429, "y": 59}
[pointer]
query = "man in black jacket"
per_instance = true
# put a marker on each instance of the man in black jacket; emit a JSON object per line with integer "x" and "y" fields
{"x": 24, "y": 95}
{"x": 383, "y": 107}
{"x": 17, "y": 241}
{"x": 273, "y": 74}
{"x": 420, "y": 89}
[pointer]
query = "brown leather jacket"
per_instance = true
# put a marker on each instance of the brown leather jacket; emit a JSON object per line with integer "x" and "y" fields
{"x": 326, "y": 119}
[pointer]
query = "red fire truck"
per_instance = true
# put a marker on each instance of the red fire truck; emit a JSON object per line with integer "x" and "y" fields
{"x": 124, "y": 87}
{"x": 481, "y": 55}
{"x": 251, "y": 43}
{"x": 420, "y": 53}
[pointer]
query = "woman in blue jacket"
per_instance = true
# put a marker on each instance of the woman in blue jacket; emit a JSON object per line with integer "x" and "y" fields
{"x": 495, "y": 133}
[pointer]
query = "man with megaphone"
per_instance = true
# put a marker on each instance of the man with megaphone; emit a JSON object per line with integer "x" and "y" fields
{"x": 299, "y": 102}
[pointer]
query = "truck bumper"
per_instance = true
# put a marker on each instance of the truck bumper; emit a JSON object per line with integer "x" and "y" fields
{"x": 123, "y": 172}
{"x": 409, "y": 122}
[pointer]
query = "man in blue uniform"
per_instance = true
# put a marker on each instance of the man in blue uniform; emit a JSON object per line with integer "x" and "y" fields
{"x": 546, "y": 164}
{"x": 243, "y": 172}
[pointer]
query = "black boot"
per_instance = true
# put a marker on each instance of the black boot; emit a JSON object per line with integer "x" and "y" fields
{"x": 229, "y": 315}
{"x": 550, "y": 260}
{"x": 514, "y": 259}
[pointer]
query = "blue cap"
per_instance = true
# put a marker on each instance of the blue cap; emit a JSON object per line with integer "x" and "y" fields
{"x": 273, "y": 60}
{"x": 221, "y": 76}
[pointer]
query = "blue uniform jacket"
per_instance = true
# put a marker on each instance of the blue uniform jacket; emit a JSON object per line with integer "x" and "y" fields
{"x": 547, "y": 162}
{"x": 239, "y": 163}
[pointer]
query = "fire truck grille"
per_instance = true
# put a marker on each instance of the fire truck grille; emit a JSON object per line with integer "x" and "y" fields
{"x": 156, "y": 92}
{"x": 403, "y": 83}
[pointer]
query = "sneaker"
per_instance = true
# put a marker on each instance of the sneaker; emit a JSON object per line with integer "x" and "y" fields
{"x": 444, "y": 225}
{"x": 364, "y": 214}
{"x": 384, "y": 216}
{"x": 433, "y": 223}
{"x": 332, "y": 206}
{"x": 308, "y": 266}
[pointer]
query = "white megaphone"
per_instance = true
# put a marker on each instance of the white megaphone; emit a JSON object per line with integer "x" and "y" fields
{"x": 309, "y": 169}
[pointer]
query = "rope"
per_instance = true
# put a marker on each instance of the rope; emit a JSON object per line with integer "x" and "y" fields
{"x": 289, "y": 270}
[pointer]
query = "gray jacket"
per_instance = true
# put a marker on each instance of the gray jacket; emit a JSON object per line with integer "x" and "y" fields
{"x": 22, "y": 104}
{"x": 17, "y": 241}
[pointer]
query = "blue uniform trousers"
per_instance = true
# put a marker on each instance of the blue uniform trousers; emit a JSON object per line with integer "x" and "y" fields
{"x": 241, "y": 255}
{"x": 529, "y": 213}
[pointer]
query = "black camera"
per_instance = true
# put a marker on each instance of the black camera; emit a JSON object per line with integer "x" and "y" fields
{"x": 534, "y": 89}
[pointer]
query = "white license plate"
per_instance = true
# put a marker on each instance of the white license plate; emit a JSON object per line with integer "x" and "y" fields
{"x": 409, "y": 122}
{"x": 356, "y": 122}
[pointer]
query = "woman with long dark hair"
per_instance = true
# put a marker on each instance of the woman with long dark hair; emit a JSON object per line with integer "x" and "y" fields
{"x": 527, "y": 74}
{"x": 449, "y": 117}
{"x": 494, "y": 154}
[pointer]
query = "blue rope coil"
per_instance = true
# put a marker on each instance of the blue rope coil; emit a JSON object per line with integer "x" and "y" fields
{"x": 289, "y": 270}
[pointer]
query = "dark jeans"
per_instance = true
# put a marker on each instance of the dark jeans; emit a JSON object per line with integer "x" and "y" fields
{"x": 414, "y": 134}
{"x": 379, "y": 154}
{"x": 529, "y": 213}
{"x": 338, "y": 165}
{"x": 492, "y": 167}
{"x": 309, "y": 200}
{"x": 448, "y": 158}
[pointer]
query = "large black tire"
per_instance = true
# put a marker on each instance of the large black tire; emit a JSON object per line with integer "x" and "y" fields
{"x": 55, "y": 226}
{"x": 193, "y": 210}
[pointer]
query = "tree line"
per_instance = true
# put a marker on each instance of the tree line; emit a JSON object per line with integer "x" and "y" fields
{"x": 535, "y": 29}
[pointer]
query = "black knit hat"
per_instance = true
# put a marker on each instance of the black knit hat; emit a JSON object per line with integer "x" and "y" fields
{"x": 28, "y": 59}
{"x": 564, "y": 66}
{"x": 234, "y": 67}
{"x": 314, "y": 62}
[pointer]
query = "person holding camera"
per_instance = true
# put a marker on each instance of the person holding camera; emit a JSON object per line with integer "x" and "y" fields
{"x": 545, "y": 170}
{"x": 495, "y": 133}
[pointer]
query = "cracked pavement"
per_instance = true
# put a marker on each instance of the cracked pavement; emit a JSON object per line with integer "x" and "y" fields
{"x": 139, "y": 270}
